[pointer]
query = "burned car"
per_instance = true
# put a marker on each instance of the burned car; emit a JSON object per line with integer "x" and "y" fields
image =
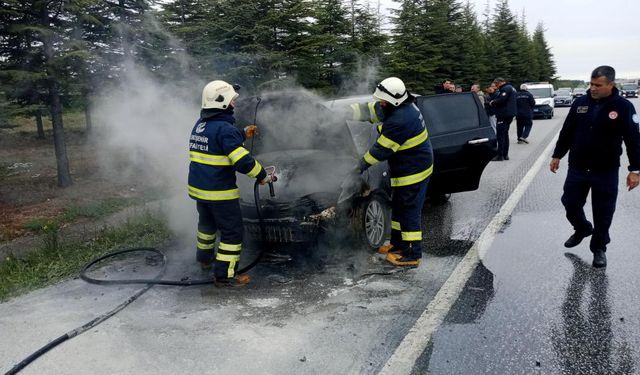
{"x": 314, "y": 147}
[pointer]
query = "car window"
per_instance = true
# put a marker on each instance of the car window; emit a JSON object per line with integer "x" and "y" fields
{"x": 449, "y": 113}
{"x": 563, "y": 93}
{"x": 540, "y": 92}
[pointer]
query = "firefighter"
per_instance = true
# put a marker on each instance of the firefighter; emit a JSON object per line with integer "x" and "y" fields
{"x": 216, "y": 152}
{"x": 404, "y": 143}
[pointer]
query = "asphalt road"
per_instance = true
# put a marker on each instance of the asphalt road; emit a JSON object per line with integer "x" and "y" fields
{"x": 527, "y": 307}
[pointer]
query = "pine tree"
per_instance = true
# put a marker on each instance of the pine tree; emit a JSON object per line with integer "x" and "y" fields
{"x": 543, "y": 55}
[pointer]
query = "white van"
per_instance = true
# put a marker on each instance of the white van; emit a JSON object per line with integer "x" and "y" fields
{"x": 543, "y": 93}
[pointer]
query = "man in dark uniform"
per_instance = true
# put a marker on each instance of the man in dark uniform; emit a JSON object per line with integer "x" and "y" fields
{"x": 216, "y": 152}
{"x": 504, "y": 107}
{"x": 524, "y": 118}
{"x": 592, "y": 133}
{"x": 404, "y": 143}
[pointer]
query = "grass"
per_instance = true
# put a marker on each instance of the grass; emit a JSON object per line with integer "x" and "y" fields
{"x": 56, "y": 259}
{"x": 71, "y": 120}
{"x": 92, "y": 210}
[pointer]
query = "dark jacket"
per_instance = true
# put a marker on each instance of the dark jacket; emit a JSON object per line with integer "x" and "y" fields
{"x": 525, "y": 103}
{"x": 403, "y": 142}
{"x": 216, "y": 152}
{"x": 505, "y": 104}
{"x": 487, "y": 99}
{"x": 593, "y": 133}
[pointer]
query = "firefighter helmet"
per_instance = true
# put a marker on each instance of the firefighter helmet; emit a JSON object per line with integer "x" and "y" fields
{"x": 218, "y": 94}
{"x": 391, "y": 90}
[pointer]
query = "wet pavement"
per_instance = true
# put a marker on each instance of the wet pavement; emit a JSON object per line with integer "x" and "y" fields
{"x": 335, "y": 309}
{"x": 535, "y": 307}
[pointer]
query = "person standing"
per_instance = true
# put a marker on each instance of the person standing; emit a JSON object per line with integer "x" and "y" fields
{"x": 216, "y": 152}
{"x": 446, "y": 87}
{"x": 524, "y": 117}
{"x": 490, "y": 93}
{"x": 475, "y": 88}
{"x": 404, "y": 143}
{"x": 592, "y": 134}
{"x": 504, "y": 107}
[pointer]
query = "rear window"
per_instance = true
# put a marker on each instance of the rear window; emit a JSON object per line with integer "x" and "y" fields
{"x": 449, "y": 113}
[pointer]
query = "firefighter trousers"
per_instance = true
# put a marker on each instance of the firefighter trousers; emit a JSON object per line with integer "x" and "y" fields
{"x": 406, "y": 215}
{"x": 225, "y": 217}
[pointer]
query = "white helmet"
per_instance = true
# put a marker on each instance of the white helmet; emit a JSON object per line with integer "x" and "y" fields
{"x": 391, "y": 90}
{"x": 523, "y": 86}
{"x": 218, "y": 94}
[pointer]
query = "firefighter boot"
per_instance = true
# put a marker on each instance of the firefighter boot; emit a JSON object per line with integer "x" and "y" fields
{"x": 386, "y": 249}
{"x": 232, "y": 282}
{"x": 401, "y": 260}
{"x": 205, "y": 258}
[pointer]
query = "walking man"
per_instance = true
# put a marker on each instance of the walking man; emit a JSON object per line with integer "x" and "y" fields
{"x": 504, "y": 107}
{"x": 524, "y": 118}
{"x": 592, "y": 133}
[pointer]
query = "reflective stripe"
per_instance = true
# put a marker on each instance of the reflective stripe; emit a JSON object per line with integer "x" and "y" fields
{"x": 255, "y": 171}
{"x": 227, "y": 257}
{"x": 370, "y": 159}
{"x": 412, "y": 179}
{"x": 372, "y": 112}
{"x": 413, "y": 142}
{"x": 231, "y": 270}
{"x": 238, "y": 154}
{"x": 230, "y": 247}
{"x": 208, "y": 159}
{"x": 379, "y": 128}
{"x": 206, "y": 246}
{"x": 355, "y": 107}
{"x": 395, "y": 225}
{"x": 412, "y": 236}
{"x": 214, "y": 195}
{"x": 388, "y": 143}
{"x": 205, "y": 236}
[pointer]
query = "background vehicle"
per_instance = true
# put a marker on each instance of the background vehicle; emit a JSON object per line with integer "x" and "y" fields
{"x": 314, "y": 149}
{"x": 562, "y": 98}
{"x": 629, "y": 90}
{"x": 543, "y": 94}
{"x": 578, "y": 91}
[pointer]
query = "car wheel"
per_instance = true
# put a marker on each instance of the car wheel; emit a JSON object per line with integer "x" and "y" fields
{"x": 373, "y": 221}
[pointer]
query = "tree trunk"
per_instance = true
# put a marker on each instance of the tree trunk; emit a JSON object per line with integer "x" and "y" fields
{"x": 64, "y": 175}
{"x": 87, "y": 118}
{"x": 39, "y": 126}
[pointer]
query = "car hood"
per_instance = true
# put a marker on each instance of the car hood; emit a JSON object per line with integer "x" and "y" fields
{"x": 302, "y": 174}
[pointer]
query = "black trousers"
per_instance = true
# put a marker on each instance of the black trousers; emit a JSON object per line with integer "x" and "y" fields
{"x": 223, "y": 216}
{"x": 502, "y": 134}
{"x": 604, "y": 193}
{"x": 523, "y": 125}
{"x": 406, "y": 215}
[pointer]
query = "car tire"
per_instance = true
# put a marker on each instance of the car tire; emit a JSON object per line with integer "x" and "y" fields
{"x": 372, "y": 221}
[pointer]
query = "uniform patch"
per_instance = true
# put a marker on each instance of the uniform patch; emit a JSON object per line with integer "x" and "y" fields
{"x": 635, "y": 118}
{"x": 613, "y": 115}
{"x": 582, "y": 109}
{"x": 504, "y": 94}
{"x": 200, "y": 127}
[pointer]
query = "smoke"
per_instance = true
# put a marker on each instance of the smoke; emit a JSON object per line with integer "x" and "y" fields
{"x": 142, "y": 129}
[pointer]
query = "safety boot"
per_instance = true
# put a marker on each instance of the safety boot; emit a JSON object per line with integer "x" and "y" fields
{"x": 575, "y": 239}
{"x": 599, "y": 259}
{"x": 233, "y": 282}
{"x": 386, "y": 249}
{"x": 400, "y": 260}
{"x": 205, "y": 259}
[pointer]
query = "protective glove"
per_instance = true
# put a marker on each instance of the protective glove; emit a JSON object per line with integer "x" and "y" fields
{"x": 250, "y": 131}
{"x": 267, "y": 180}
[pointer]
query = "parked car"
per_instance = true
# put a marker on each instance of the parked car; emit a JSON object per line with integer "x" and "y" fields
{"x": 578, "y": 91}
{"x": 314, "y": 149}
{"x": 562, "y": 98}
{"x": 543, "y": 94}
{"x": 629, "y": 90}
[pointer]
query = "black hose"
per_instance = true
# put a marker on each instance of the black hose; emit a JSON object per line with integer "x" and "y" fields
{"x": 149, "y": 284}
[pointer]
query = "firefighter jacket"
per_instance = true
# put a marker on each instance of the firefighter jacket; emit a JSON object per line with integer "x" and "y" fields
{"x": 403, "y": 141}
{"x": 216, "y": 152}
{"x": 525, "y": 103}
{"x": 504, "y": 104}
{"x": 594, "y": 130}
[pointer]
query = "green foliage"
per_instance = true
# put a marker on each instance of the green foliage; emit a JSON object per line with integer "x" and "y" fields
{"x": 58, "y": 259}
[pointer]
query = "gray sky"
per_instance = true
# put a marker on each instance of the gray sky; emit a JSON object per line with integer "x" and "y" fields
{"x": 582, "y": 34}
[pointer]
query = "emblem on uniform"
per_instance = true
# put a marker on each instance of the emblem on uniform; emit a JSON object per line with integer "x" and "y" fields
{"x": 635, "y": 118}
{"x": 200, "y": 127}
{"x": 504, "y": 94}
{"x": 582, "y": 109}
{"x": 613, "y": 115}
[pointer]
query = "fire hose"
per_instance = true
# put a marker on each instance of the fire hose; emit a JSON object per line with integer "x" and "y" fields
{"x": 149, "y": 283}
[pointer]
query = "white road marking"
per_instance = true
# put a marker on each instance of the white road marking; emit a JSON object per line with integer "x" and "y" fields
{"x": 414, "y": 343}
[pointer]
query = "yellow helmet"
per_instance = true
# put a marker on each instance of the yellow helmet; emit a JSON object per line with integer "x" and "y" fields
{"x": 218, "y": 94}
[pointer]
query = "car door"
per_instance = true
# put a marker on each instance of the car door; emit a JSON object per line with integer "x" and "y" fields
{"x": 463, "y": 140}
